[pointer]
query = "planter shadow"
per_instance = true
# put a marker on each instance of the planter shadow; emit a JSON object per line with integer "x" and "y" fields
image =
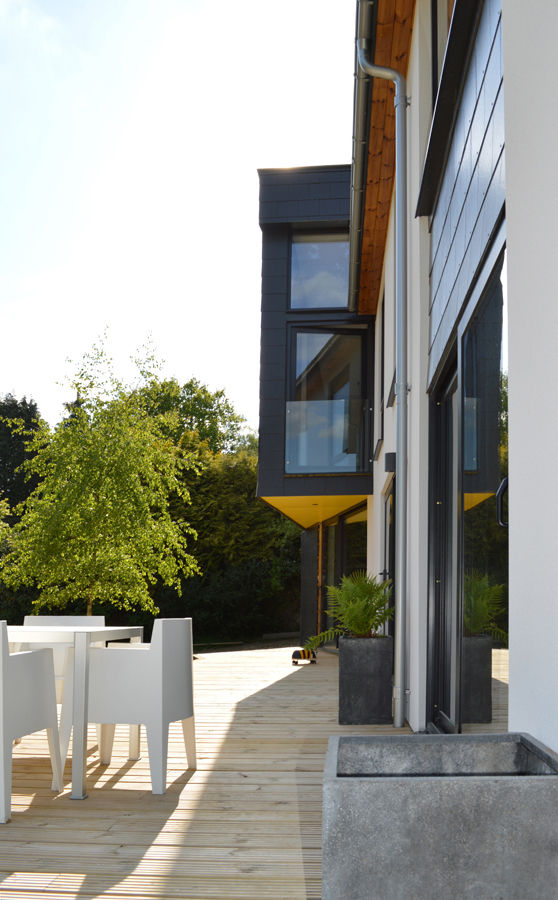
{"x": 469, "y": 816}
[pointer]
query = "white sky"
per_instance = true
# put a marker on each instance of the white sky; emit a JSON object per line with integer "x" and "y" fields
{"x": 131, "y": 135}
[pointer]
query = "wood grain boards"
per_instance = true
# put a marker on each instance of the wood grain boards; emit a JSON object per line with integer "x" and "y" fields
{"x": 246, "y": 824}
{"x": 392, "y": 45}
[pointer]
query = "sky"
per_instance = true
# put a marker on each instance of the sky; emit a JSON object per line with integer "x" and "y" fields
{"x": 132, "y": 131}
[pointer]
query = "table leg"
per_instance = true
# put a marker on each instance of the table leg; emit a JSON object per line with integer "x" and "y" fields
{"x": 81, "y": 688}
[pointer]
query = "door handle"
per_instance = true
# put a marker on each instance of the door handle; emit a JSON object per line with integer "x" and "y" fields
{"x": 502, "y": 490}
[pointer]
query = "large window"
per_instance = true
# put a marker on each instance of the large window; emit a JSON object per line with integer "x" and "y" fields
{"x": 319, "y": 271}
{"x": 325, "y": 412}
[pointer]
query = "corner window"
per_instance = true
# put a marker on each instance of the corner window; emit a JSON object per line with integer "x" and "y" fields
{"x": 325, "y": 412}
{"x": 319, "y": 271}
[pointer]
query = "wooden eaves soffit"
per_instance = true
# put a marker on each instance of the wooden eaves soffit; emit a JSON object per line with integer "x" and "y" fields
{"x": 394, "y": 26}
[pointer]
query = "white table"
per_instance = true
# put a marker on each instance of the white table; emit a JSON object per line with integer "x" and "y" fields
{"x": 82, "y": 637}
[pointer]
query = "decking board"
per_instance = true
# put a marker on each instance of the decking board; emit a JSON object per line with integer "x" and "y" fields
{"x": 246, "y": 825}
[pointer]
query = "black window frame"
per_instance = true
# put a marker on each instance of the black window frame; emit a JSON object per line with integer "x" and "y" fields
{"x": 349, "y": 325}
{"x": 309, "y": 233}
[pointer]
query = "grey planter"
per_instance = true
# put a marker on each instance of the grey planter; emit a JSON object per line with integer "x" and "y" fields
{"x": 438, "y": 816}
{"x": 365, "y": 680}
{"x": 476, "y": 679}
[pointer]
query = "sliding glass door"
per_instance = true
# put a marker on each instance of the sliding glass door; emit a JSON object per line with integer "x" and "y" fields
{"x": 484, "y": 506}
{"x": 469, "y": 542}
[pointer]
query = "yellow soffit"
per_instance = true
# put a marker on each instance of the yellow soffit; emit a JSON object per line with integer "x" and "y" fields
{"x": 472, "y": 500}
{"x": 308, "y": 511}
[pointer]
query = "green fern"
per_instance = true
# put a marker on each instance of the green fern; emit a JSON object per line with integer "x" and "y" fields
{"x": 359, "y": 606}
{"x": 482, "y": 605}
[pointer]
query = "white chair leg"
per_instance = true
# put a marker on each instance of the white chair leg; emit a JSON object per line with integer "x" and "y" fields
{"x": 106, "y": 742}
{"x": 6, "y": 781}
{"x": 134, "y": 742}
{"x": 55, "y": 759}
{"x": 157, "y": 745}
{"x": 65, "y": 728}
{"x": 189, "y": 730}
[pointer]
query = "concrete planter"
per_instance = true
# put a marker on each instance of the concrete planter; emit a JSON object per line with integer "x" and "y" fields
{"x": 365, "y": 680}
{"x": 476, "y": 679}
{"x": 438, "y": 816}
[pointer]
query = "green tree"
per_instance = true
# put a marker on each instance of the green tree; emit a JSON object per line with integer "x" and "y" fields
{"x": 18, "y": 418}
{"x": 248, "y": 552}
{"x": 97, "y": 528}
{"x": 197, "y": 410}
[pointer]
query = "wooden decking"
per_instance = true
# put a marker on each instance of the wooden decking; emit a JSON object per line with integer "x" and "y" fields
{"x": 246, "y": 824}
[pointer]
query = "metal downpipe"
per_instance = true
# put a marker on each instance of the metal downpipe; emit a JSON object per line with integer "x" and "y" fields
{"x": 401, "y": 386}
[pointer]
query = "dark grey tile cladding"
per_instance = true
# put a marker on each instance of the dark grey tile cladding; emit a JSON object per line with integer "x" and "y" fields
{"x": 271, "y": 302}
{"x": 274, "y": 356}
{"x": 271, "y": 425}
{"x": 288, "y": 198}
{"x": 274, "y": 284}
{"x": 273, "y": 389}
{"x": 272, "y": 371}
{"x": 273, "y": 337}
{"x": 275, "y": 267}
{"x": 305, "y": 195}
{"x": 273, "y": 319}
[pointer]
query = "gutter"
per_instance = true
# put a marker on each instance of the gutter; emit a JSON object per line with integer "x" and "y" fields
{"x": 401, "y": 386}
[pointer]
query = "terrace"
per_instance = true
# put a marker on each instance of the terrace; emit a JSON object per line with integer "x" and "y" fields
{"x": 246, "y": 824}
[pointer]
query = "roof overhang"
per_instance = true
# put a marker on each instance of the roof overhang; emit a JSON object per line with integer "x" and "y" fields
{"x": 309, "y": 511}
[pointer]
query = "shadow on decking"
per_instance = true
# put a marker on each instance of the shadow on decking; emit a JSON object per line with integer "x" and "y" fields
{"x": 246, "y": 824}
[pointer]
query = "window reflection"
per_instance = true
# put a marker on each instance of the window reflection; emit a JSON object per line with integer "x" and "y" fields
{"x": 324, "y": 428}
{"x": 319, "y": 271}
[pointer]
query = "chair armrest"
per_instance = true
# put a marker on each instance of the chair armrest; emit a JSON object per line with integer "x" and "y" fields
{"x": 125, "y": 645}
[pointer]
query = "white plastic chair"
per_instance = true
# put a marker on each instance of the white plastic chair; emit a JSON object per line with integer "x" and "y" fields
{"x": 27, "y": 704}
{"x": 142, "y": 684}
{"x": 60, "y": 650}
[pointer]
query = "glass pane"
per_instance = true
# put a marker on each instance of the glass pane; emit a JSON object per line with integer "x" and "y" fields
{"x": 485, "y": 542}
{"x": 324, "y": 427}
{"x": 320, "y": 272}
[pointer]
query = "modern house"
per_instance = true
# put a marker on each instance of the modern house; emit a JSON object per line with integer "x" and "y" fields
{"x": 409, "y": 316}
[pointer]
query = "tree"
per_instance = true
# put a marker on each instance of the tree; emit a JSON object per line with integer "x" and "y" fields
{"x": 247, "y": 551}
{"x": 97, "y": 528}
{"x": 17, "y": 419}
{"x": 198, "y": 411}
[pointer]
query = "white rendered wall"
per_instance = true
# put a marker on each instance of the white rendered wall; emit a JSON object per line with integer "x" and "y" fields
{"x": 418, "y": 123}
{"x": 419, "y": 114}
{"x": 531, "y": 121}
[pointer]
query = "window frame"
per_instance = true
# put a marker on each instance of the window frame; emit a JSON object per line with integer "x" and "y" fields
{"x": 334, "y": 326}
{"x": 310, "y": 236}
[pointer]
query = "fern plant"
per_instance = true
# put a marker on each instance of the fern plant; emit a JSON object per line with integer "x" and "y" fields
{"x": 482, "y": 605}
{"x": 359, "y": 606}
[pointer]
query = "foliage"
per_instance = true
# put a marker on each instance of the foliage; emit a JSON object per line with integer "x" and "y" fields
{"x": 72, "y": 549}
{"x": 97, "y": 527}
{"x": 4, "y": 527}
{"x": 248, "y": 554}
{"x": 18, "y": 418}
{"x": 233, "y": 525}
{"x": 196, "y": 410}
{"x": 359, "y": 606}
{"x": 483, "y": 604}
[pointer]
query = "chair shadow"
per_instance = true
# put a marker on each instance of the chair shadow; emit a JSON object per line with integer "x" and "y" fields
{"x": 126, "y": 832}
{"x": 280, "y": 775}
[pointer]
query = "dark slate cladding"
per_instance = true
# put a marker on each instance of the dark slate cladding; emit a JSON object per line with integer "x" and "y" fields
{"x": 471, "y": 193}
{"x": 298, "y": 196}
{"x": 316, "y": 197}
